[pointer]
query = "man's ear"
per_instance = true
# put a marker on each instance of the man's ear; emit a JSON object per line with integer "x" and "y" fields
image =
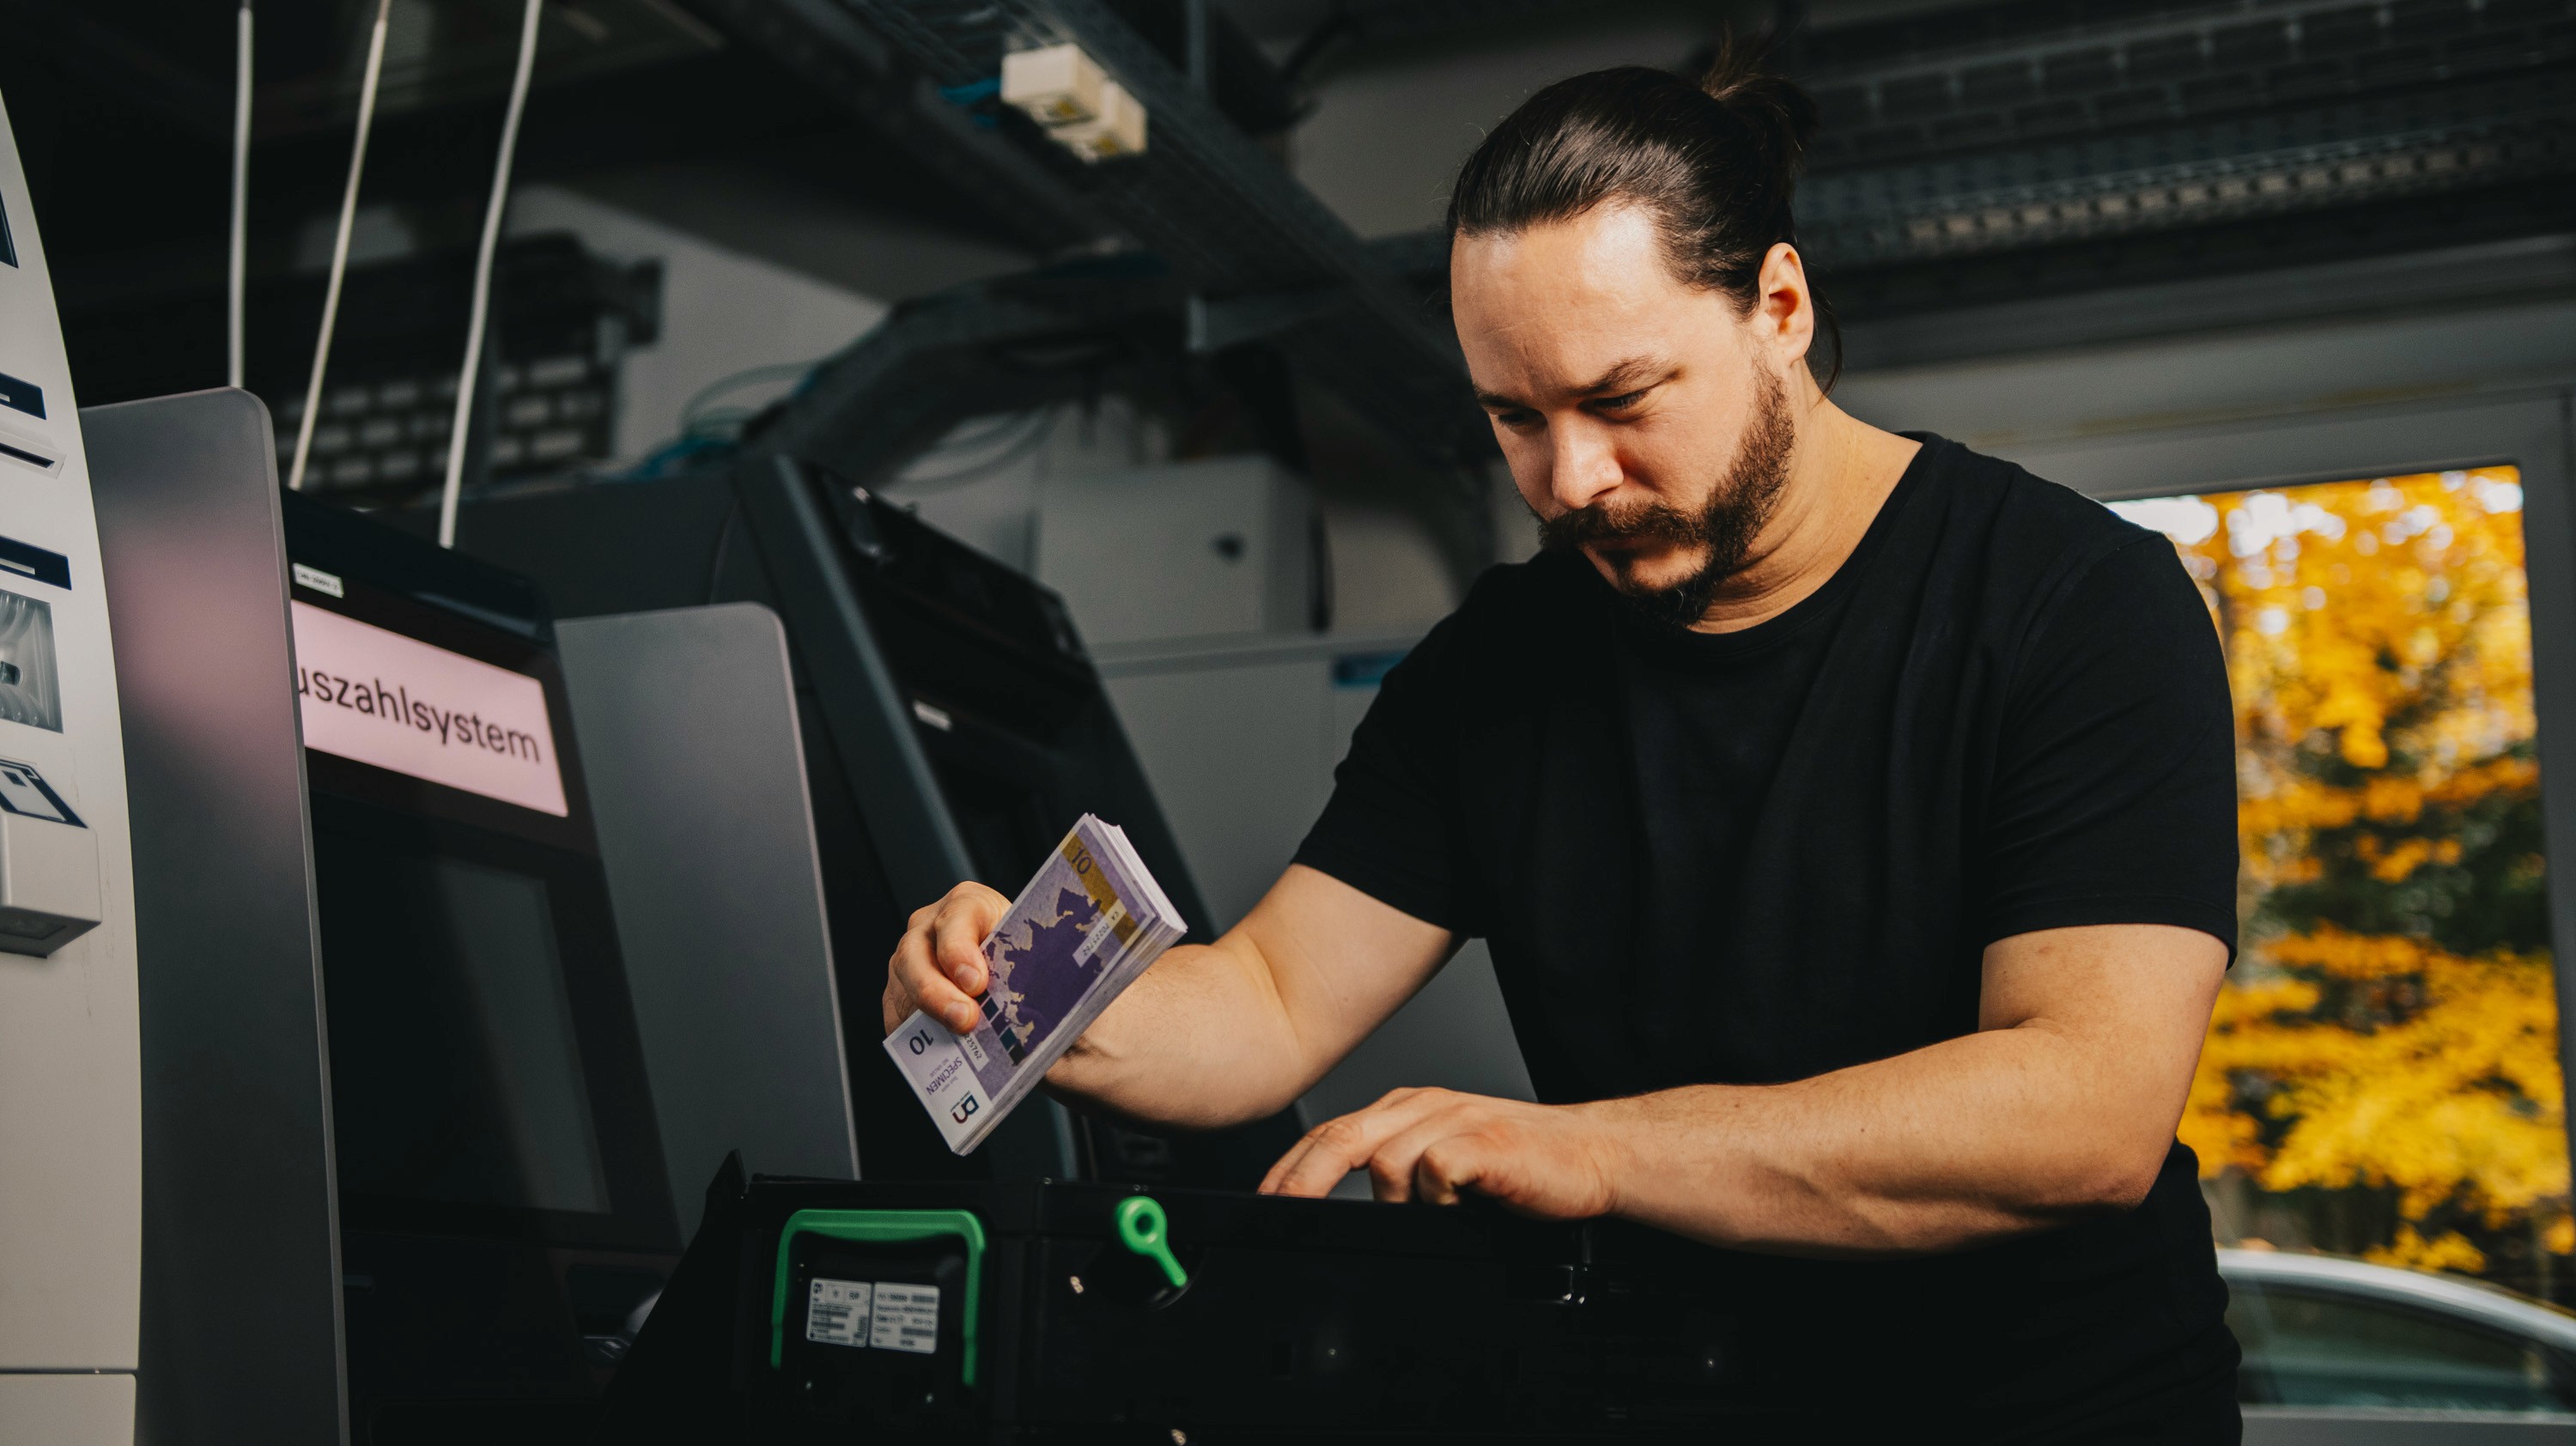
{"x": 1785, "y": 304}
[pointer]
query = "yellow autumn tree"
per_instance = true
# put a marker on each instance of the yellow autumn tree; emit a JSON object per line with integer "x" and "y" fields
{"x": 2383, "y": 1067}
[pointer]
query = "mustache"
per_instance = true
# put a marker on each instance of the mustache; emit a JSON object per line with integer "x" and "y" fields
{"x": 1641, "y": 522}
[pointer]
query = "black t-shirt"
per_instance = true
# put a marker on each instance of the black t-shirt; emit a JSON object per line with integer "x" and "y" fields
{"x": 1758, "y": 856}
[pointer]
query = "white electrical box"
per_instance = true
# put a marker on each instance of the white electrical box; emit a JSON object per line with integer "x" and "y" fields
{"x": 1066, "y": 91}
{"x": 1210, "y": 549}
{"x": 1119, "y": 129}
{"x": 70, "y": 1079}
{"x": 1056, "y": 86}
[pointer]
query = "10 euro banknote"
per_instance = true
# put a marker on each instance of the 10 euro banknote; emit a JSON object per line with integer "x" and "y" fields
{"x": 1083, "y": 929}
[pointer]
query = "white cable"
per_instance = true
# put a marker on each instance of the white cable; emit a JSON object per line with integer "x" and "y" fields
{"x": 340, "y": 247}
{"x": 466, "y": 374}
{"x": 234, "y": 278}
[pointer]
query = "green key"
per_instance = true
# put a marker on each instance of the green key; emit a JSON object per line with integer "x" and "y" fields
{"x": 1142, "y": 1229}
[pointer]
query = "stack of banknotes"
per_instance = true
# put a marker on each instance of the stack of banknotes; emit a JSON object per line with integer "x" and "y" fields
{"x": 1080, "y": 933}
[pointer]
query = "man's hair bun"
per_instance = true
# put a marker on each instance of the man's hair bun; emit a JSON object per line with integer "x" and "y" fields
{"x": 1716, "y": 163}
{"x": 1774, "y": 110}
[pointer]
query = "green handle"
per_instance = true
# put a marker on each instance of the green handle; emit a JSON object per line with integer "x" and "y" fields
{"x": 1142, "y": 1228}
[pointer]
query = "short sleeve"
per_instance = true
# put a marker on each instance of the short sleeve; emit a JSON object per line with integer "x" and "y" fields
{"x": 1388, "y": 829}
{"x": 2115, "y": 775}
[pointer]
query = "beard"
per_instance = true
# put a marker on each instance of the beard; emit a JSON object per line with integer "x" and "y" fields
{"x": 1724, "y": 528}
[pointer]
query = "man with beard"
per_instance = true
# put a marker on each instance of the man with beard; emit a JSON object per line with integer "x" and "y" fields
{"x": 1851, "y": 817}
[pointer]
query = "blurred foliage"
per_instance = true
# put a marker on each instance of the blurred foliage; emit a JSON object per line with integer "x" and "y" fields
{"x": 2390, "y": 1028}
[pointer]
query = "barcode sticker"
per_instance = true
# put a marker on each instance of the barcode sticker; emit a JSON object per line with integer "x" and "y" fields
{"x": 906, "y": 1318}
{"x": 836, "y": 1312}
{"x": 1103, "y": 933}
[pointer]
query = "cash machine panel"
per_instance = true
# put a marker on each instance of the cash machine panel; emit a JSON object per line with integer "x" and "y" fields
{"x": 484, "y": 1065}
{"x": 503, "y": 1205}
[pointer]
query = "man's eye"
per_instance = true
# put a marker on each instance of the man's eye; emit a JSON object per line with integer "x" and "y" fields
{"x": 1515, "y": 417}
{"x": 1619, "y": 403}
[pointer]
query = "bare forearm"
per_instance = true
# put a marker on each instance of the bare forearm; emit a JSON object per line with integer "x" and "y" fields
{"x": 1963, "y": 1142}
{"x": 1238, "y": 1030}
{"x": 1199, "y": 1041}
{"x": 2062, "y": 1105}
{"x": 1211, "y": 1035}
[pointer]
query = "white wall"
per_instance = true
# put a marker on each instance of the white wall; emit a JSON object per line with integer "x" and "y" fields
{"x": 723, "y": 312}
{"x": 1388, "y": 135}
{"x": 2003, "y": 404}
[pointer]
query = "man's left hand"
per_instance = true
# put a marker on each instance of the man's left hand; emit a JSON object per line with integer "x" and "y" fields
{"x": 1551, "y": 1161}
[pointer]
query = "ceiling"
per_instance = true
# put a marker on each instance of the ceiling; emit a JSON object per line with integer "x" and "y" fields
{"x": 722, "y": 116}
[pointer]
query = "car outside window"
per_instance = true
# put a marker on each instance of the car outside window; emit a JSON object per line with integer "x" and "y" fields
{"x": 2309, "y": 1349}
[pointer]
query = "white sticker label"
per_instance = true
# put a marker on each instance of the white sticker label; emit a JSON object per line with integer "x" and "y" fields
{"x": 836, "y": 1312}
{"x": 374, "y": 695}
{"x": 906, "y": 1318}
{"x": 1104, "y": 931}
{"x": 318, "y": 580}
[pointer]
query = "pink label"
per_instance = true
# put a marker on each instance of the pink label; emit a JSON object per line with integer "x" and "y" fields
{"x": 379, "y": 697}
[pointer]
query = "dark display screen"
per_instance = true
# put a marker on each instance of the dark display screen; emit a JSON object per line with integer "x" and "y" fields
{"x": 466, "y": 1073}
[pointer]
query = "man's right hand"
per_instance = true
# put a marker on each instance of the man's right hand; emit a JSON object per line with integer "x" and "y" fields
{"x": 939, "y": 966}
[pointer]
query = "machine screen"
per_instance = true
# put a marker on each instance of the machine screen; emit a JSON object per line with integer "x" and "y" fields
{"x": 378, "y": 697}
{"x": 29, "y": 693}
{"x": 456, "y": 1071}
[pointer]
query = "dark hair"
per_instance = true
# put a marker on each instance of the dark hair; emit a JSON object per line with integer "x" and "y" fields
{"x": 1716, "y": 163}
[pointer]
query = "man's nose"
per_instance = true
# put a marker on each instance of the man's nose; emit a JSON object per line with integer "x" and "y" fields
{"x": 1582, "y": 466}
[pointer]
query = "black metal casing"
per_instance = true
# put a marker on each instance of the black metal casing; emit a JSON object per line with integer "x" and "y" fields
{"x": 1300, "y": 1320}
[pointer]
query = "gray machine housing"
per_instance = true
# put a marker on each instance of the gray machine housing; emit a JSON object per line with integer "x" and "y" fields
{"x": 686, "y": 726}
{"x": 70, "y": 1152}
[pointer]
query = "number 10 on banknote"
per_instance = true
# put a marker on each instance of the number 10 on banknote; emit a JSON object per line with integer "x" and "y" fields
{"x": 1080, "y": 933}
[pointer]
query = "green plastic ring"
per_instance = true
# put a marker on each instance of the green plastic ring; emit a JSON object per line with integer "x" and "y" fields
{"x": 1143, "y": 1229}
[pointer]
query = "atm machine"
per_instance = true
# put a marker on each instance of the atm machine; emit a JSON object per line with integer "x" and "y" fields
{"x": 468, "y": 950}
{"x": 503, "y": 1202}
{"x": 70, "y": 1116}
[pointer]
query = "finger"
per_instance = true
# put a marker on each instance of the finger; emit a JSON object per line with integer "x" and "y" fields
{"x": 1297, "y": 1156}
{"x": 1338, "y": 1146}
{"x": 912, "y": 971}
{"x": 1319, "y": 1162}
{"x": 1280, "y": 1167}
{"x": 1392, "y": 1166}
{"x": 1287, "y": 1163}
{"x": 957, "y": 938}
{"x": 1447, "y": 1168}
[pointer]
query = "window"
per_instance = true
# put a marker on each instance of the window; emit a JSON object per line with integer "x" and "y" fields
{"x": 2382, "y": 1075}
